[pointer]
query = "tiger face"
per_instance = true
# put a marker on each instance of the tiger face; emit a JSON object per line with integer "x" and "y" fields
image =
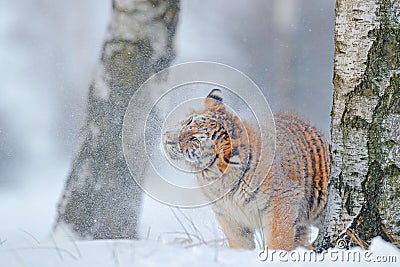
{"x": 202, "y": 139}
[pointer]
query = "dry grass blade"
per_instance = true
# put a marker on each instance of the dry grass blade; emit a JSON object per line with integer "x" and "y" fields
{"x": 394, "y": 242}
{"x": 191, "y": 232}
{"x": 354, "y": 238}
{"x": 30, "y": 235}
{"x": 57, "y": 248}
{"x": 193, "y": 226}
{"x": 260, "y": 243}
{"x": 73, "y": 241}
{"x": 148, "y": 233}
{"x": 212, "y": 242}
{"x": 193, "y": 236}
{"x": 182, "y": 225}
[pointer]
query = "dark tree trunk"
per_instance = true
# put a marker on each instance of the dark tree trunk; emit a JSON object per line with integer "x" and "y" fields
{"x": 101, "y": 199}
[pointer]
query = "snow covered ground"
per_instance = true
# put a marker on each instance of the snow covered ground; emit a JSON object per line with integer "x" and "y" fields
{"x": 154, "y": 253}
{"x": 189, "y": 237}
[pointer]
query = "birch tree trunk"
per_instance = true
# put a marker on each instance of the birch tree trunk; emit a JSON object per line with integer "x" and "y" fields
{"x": 364, "y": 190}
{"x": 101, "y": 199}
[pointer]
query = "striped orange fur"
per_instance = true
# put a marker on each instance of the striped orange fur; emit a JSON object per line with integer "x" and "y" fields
{"x": 292, "y": 195}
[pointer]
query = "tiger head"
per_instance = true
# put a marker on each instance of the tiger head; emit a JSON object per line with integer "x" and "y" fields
{"x": 205, "y": 137}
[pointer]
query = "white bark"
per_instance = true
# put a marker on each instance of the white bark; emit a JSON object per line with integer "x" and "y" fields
{"x": 354, "y": 20}
{"x": 364, "y": 77}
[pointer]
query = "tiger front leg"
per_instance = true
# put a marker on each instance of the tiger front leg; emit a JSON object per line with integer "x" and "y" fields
{"x": 280, "y": 227}
{"x": 238, "y": 236}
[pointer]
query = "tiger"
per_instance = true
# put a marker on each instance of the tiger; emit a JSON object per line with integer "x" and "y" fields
{"x": 293, "y": 192}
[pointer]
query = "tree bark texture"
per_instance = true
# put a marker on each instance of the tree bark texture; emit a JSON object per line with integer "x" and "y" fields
{"x": 101, "y": 199}
{"x": 364, "y": 189}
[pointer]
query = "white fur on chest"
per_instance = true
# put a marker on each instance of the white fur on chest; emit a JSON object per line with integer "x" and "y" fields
{"x": 245, "y": 214}
{"x": 233, "y": 205}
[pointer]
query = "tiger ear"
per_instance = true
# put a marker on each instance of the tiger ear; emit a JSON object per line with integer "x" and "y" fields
{"x": 213, "y": 98}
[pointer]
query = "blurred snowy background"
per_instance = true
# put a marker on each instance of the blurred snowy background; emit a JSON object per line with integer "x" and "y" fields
{"x": 48, "y": 53}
